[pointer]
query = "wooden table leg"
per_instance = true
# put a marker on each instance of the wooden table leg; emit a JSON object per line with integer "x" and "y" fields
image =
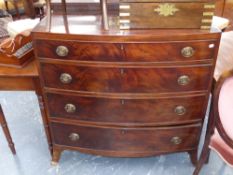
{"x": 6, "y": 6}
{"x": 15, "y": 3}
{"x": 6, "y": 131}
{"x": 39, "y": 94}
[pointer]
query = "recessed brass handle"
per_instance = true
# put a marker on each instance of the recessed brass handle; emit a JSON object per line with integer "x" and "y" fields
{"x": 183, "y": 80}
{"x": 176, "y": 140}
{"x": 62, "y": 51}
{"x": 70, "y": 108}
{"x": 65, "y": 78}
{"x": 74, "y": 137}
{"x": 187, "y": 52}
{"x": 180, "y": 110}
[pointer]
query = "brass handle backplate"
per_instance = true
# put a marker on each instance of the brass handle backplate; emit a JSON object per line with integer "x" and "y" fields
{"x": 65, "y": 78}
{"x": 183, "y": 80}
{"x": 62, "y": 51}
{"x": 180, "y": 110}
{"x": 176, "y": 140}
{"x": 187, "y": 52}
{"x": 70, "y": 108}
{"x": 74, "y": 137}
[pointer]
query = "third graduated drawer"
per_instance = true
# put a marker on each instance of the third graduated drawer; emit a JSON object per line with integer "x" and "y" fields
{"x": 120, "y": 79}
{"x": 127, "y": 52}
{"x": 128, "y": 111}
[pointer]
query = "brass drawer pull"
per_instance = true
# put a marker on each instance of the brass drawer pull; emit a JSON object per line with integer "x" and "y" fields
{"x": 176, "y": 140}
{"x": 180, "y": 110}
{"x": 183, "y": 80}
{"x": 70, "y": 108}
{"x": 187, "y": 52}
{"x": 65, "y": 78}
{"x": 62, "y": 51}
{"x": 74, "y": 137}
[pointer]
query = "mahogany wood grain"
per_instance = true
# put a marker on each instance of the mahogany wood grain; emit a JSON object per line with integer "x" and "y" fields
{"x": 80, "y": 50}
{"x": 54, "y": 28}
{"x": 110, "y": 66}
{"x": 25, "y": 79}
{"x": 126, "y": 112}
{"x": 169, "y": 51}
{"x": 134, "y": 80}
{"x": 127, "y": 140}
{"x": 126, "y": 52}
{"x": 228, "y": 13}
{"x": 18, "y": 78}
{"x": 188, "y": 15}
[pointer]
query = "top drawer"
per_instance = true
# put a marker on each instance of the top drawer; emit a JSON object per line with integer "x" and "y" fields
{"x": 126, "y": 52}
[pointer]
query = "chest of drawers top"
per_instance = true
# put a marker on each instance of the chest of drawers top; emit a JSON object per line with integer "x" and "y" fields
{"x": 90, "y": 28}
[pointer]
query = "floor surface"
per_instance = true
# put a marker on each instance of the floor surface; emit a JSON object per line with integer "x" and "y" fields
{"x": 24, "y": 120}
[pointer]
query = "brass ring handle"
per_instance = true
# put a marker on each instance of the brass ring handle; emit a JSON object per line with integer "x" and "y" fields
{"x": 183, "y": 80}
{"x": 62, "y": 51}
{"x": 176, "y": 140}
{"x": 187, "y": 52}
{"x": 180, "y": 110}
{"x": 74, "y": 137}
{"x": 65, "y": 78}
{"x": 70, "y": 108}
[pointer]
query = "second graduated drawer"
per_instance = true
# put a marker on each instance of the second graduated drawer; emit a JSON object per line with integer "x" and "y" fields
{"x": 157, "y": 111}
{"x": 126, "y": 80}
{"x": 127, "y": 52}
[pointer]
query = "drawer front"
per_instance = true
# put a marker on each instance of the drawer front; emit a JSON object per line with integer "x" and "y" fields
{"x": 150, "y": 52}
{"x": 173, "y": 51}
{"x": 132, "y": 140}
{"x": 166, "y": 15}
{"x": 127, "y": 111}
{"x": 131, "y": 80}
{"x": 73, "y": 50}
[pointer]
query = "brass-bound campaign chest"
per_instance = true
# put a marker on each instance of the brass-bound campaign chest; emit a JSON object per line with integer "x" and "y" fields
{"x": 166, "y": 14}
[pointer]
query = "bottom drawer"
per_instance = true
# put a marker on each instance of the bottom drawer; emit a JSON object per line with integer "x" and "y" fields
{"x": 126, "y": 142}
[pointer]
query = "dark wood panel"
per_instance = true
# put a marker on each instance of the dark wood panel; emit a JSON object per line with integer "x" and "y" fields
{"x": 228, "y": 13}
{"x": 152, "y": 15}
{"x": 159, "y": 111}
{"x": 133, "y": 140}
{"x": 17, "y": 83}
{"x": 151, "y": 52}
{"x": 84, "y": 28}
{"x": 169, "y": 51}
{"x": 135, "y": 80}
{"x": 80, "y": 50}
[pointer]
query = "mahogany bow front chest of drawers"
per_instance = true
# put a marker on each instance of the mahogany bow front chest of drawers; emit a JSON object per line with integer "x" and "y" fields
{"x": 130, "y": 93}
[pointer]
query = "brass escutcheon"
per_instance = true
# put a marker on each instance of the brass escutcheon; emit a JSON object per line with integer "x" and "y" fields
{"x": 183, "y": 80}
{"x": 74, "y": 137}
{"x": 65, "y": 78}
{"x": 70, "y": 108}
{"x": 176, "y": 140}
{"x": 187, "y": 51}
{"x": 180, "y": 110}
{"x": 166, "y": 9}
{"x": 62, "y": 51}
